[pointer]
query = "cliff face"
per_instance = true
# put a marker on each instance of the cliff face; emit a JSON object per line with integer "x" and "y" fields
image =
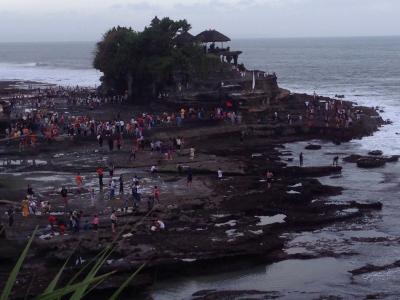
{"x": 268, "y": 85}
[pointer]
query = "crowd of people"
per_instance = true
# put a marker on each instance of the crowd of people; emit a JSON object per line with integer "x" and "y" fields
{"x": 41, "y": 118}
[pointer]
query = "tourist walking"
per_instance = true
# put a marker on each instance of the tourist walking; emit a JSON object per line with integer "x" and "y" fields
{"x": 10, "y": 214}
{"x": 191, "y": 153}
{"x": 301, "y": 159}
{"x": 64, "y": 196}
{"x": 219, "y": 174}
{"x": 135, "y": 194}
{"x": 111, "y": 169}
{"x": 113, "y": 219}
{"x": 100, "y": 174}
{"x": 335, "y": 162}
{"x": 133, "y": 153}
{"x": 269, "y": 177}
{"x": 156, "y": 194}
{"x": 95, "y": 223}
{"x": 79, "y": 182}
{"x": 100, "y": 140}
{"x": 92, "y": 197}
{"x": 25, "y": 207}
{"x": 189, "y": 178}
{"x": 121, "y": 185}
{"x": 112, "y": 189}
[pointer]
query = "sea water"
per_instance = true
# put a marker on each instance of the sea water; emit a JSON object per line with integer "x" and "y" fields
{"x": 66, "y": 63}
{"x": 364, "y": 70}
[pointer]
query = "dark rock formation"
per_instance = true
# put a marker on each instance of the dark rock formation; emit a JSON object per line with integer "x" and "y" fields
{"x": 372, "y": 268}
{"x": 233, "y": 295}
{"x": 376, "y": 153}
{"x": 313, "y": 147}
{"x": 370, "y": 162}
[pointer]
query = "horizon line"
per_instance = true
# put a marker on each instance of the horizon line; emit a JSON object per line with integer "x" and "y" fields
{"x": 232, "y": 39}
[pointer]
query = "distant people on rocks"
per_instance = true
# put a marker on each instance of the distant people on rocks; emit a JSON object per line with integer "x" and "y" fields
{"x": 64, "y": 196}
{"x": 156, "y": 194}
{"x": 79, "y": 182}
{"x": 10, "y": 215}
{"x": 301, "y": 159}
{"x": 113, "y": 218}
{"x": 158, "y": 225}
{"x": 153, "y": 170}
{"x": 25, "y": 207}
{"x": 191, "y": 153}
{"x": 95, "y": 223}
{"x": 335, "y": 162}
{"x": 219, "y": 174}
{"x": 121, "y": 184}
{"x": 189, "y": 178}
{"x": 29, "y": 191}
{"x": 135, "y": 195}
{"x": 92, "y": 197}
{"x": 100, "y": 174}
{"x": 269, "y": 177}
{"x": 112, "y": 189}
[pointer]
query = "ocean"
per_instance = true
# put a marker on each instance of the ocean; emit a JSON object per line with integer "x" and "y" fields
{"x": 365, "y": 70}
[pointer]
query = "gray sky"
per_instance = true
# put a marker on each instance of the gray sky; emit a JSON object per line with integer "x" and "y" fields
{"x": 86, "y": 20}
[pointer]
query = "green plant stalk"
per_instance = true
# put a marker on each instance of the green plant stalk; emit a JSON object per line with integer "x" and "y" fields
{"x": 125, "y": 284}
{"x": 14, "y": 273}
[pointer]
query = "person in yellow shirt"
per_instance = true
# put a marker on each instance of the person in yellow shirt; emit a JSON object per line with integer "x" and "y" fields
{"x": 25, "y": 207}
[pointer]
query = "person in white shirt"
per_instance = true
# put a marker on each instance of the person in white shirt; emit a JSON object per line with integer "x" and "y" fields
{"x": 220, "y": 174}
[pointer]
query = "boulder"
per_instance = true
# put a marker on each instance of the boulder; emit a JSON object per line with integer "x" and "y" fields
{"x": 352, "y": 158}
{"x": 375, "y": 153}
{"x": 313, "y": 147}
{"x": 392, "y": 158}
{"x": 370, "y": 162}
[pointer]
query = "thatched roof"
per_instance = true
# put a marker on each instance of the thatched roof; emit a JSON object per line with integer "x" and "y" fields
{"x": 185, "y": 38}
{"x": 210, "y": 36}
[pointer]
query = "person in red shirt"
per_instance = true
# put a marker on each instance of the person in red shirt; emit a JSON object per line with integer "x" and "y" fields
{"x": 95, "y": 223}
{"x": 79, "y": 181}
{"x": 100, "y": 174}
{"x": 52, "y": 221}
{"x": 61, "y": 227}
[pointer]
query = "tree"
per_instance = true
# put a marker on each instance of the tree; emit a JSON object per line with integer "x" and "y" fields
{"x": 146, "y": 63}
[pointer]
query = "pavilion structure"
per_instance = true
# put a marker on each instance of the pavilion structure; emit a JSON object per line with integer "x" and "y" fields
{"x": 209, "y": 37}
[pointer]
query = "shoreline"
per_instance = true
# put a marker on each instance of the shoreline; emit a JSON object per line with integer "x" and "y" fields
{"x": 217, "y": 197}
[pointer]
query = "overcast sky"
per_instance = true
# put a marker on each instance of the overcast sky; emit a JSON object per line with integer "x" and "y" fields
{"x": 86, "y": 20}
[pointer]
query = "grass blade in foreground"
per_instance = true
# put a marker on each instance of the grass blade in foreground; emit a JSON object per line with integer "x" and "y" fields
{"x": 53, "y": 283}
{"x": 14, "y": 273}
{"x": 72, "y": 288}
{"x": 125, "y": 284}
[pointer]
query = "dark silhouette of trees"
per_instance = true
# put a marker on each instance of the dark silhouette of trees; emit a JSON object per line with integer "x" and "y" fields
{"x": 147, "y": 63}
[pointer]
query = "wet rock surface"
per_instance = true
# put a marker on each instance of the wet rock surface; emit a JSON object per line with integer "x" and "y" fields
{"x": 233, "y": 295}
{"x": 313, "y": 147}
{"x": 210, "y": 224}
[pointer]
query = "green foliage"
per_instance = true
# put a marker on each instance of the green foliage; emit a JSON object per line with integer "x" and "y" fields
{"x": 14, "y": 272}
{"x": 146, "y": 63}
{"x": 77, "y": 289}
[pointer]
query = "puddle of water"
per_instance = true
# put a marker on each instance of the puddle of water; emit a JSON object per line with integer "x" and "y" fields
{"x": 268, "y": 220}
{"x": 312, "y": 276}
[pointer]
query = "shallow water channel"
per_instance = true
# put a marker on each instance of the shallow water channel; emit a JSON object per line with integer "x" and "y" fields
{"x": 372, "y": 239}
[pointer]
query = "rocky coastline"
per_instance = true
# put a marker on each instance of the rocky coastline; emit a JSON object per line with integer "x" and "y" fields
{"x": 217, "y": 224}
